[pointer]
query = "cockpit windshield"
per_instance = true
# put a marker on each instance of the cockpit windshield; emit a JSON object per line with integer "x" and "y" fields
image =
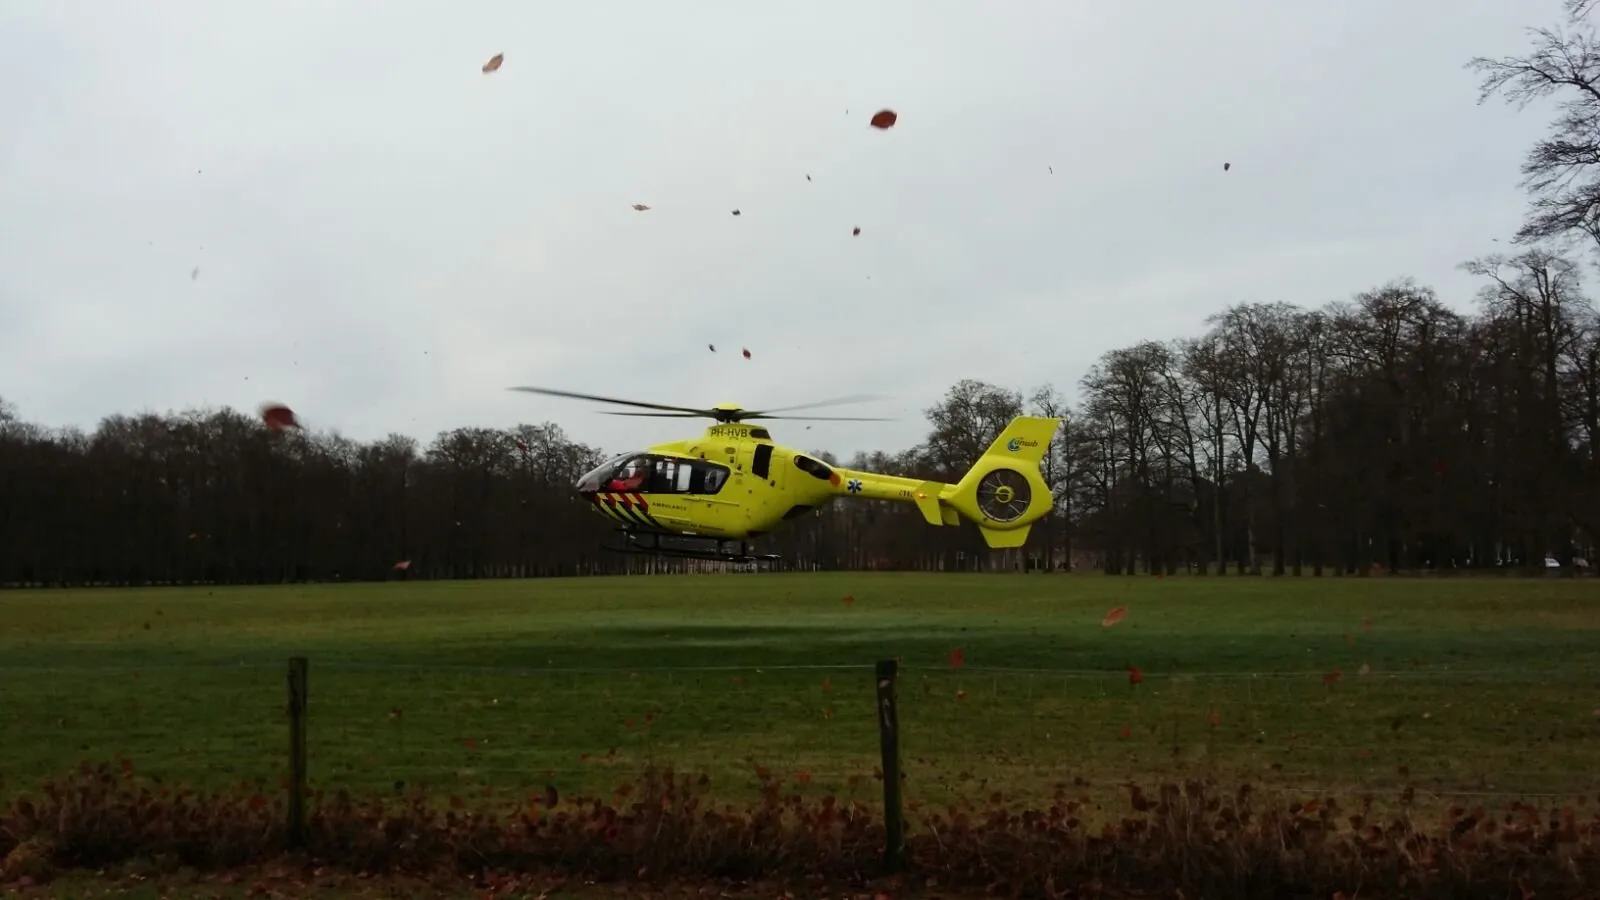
{"x": 596, "y": 477}
{"x": 647, "y": 473}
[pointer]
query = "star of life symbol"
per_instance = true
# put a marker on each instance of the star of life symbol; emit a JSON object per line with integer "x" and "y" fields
{"x": 853, "y": 486}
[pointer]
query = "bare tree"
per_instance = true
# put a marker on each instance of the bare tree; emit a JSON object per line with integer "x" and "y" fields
{"x": 1561, "y": 171}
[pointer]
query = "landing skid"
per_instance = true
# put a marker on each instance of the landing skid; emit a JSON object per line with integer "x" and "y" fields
{"x": 710, "y": 549}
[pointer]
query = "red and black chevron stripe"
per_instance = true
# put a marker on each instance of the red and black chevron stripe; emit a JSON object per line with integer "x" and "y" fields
{"x": 630, "y": 509}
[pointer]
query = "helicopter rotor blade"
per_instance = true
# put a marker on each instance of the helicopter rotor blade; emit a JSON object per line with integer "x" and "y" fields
{"x": 576, "y": 396}
{"x": 686, "y": 412}
{"x": 837, "y": 401}
{"x": 821, "y": 418}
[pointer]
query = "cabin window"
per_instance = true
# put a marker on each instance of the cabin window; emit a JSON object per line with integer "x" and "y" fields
{"x": 671, "y": 475}
{"x": 761, "y": 465}
{"x": 710, "y": 477}
{"x": 761, "y": 434}
{"x": 665, "y": 470}
{"x": 813, "y": 468}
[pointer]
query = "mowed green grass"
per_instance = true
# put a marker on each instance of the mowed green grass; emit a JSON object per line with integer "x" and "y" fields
{"x": 1474, "y": 686}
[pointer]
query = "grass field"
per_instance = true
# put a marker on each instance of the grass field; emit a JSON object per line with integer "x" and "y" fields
{"x": 1473, "y": 686}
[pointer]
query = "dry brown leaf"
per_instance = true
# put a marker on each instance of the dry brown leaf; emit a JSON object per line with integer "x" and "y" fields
{"x": 278, "y": 417}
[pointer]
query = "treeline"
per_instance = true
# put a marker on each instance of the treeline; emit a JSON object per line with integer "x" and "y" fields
{"x": 1386, "y": 430}
{"x": 1383, "y": 430}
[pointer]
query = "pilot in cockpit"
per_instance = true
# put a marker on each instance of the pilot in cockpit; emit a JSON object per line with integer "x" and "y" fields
{"x": 630, "y": 477}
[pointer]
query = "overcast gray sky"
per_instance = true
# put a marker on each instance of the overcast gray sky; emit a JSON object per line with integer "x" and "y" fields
{"x": 387, "y": 238}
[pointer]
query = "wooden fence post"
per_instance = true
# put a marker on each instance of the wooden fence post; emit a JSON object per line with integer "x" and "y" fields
{"x": 297, "y": 752}
{"x": 889, "y": 741}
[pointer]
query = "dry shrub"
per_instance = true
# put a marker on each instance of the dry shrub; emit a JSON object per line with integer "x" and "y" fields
{"x": 1214, "y": 844}
{"x": 1207, "y": 842}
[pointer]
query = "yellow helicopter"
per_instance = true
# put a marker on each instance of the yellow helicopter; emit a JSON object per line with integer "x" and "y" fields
{"x": 733, "y": 484}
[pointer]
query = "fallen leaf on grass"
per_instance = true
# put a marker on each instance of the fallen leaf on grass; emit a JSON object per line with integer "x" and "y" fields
{"x": 849, "y": 600}
{"x": 1114, "y": 616}
{"x": 1364, "y": 670}
{"x": 1332, "y": 677}
{"x": 1134, "y": 675}
{"x": 957, "y": 658}
{"x": 1216, "y": 719}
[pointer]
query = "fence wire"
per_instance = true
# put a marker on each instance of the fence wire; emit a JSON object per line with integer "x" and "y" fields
{"x": 375, "y": 729}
